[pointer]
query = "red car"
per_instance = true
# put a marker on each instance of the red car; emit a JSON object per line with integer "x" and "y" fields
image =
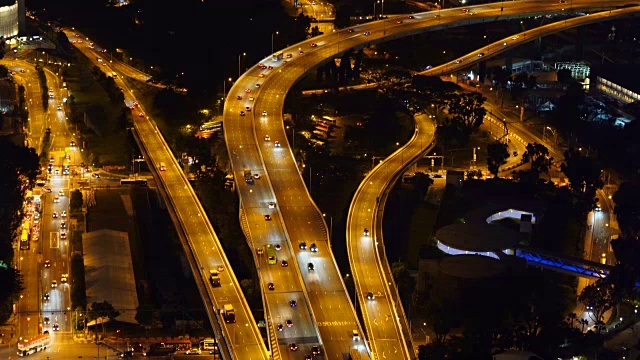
{"x": 248, "y": 90}
{"x": 314, "y": 45}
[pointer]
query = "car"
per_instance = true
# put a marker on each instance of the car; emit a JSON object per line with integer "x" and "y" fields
{"x": 302, "y": 52}
{"x": 261, "y": 75}
{"x": 515, "y": 153}
{"x": 367, "y": 33}
{"x": 247, "y": 108}
{"x": 458, "y": 61}
{"x": 241, "y": 113}
{"x": 603, "y": 259}
{"x": 251, "y": 98}
{"x": 314, "y": 247}
{"x": 272, "y": 205}
{"x": 47, "y": 263}
{"x": 310, "y": 267}
{"x": 61, "y": 193}
{"x": 307, "y": 357}
{"x": 46, "y": 320}
{"x": 57, "y": 172}
{"x": 256, "y": 176}
{"x": 350, "y": 31}
{"x": 280, "y": 327}
{"x": 259, "y": 251}
{"x": 370, "y": 296}
{"x": 271, "y": 287}
{"x": 56, "y": 327}
{"x": 314, "y": 44}
{"x": 51, "y": 159}
{"x": 64, "y": 278}
{"x": 248, "y": 90}
{"x": 193, "y": 351}
{"x": 504, "y": 43}
{"x": 514, "y": 37}
{"x": 302, "y": 245}
{"x": 284, "y": 263}
{"x": 54, "y": 284}
{"x": 293, "y": 303}
{"x": 264, "y": 112}
{"x": 239, "y": 97}
{"x": 471, "y": 13}
{"x": 64, "y": 213}
{"x": 97, "y": 176}
{"x": 48, "y": 189}
{"x": 293, "y": 347}
{"x": 289, "y": 323}
{"x": 278, "y": 247}
{"x": 398, "y": 21}
{"x": 276, "y": 143}
{"x": 598, "y": 207}
{"x": 46, "y": 297}
{"x": 50, "y": 96}
{"x": 465, "y": 10}
{"x": 366, "y": 232}
{"x": 267, "y": 217}
{"x": 63, "y": 235}
{"x": 59, "y": 108}
{"x": 55, "y": 215}
{"x": 289, "y": 56}
{"x": 267, "y": 138}
{"x": 315, "y": 350}
{"x": 56, "y": 198}
{"x": 262, "y": 66}
{"x": 63, "y": 225}
{"x": 220, "y": 268}
{"x": 269, "y": 67}
{"x": 257, "y": 85}
{"x": 480, "y": 54}
{"x": 23, "y": 71}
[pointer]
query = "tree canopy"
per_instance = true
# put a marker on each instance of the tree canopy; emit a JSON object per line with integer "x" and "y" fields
{"x": 497, "y": 155}
{"x": 468, "y": 108}
{"x": 627, "y": 209}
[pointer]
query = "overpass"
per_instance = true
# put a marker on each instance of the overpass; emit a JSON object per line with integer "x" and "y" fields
{"x": 504, "y": 45}
{"x": 240, "y": 340}
{"x": 251, "y": 142}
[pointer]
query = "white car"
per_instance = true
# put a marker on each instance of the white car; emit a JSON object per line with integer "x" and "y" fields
{"x": 267, "y": 138}
{"x": 272, "y": 205}
{"x": 277, "y": 143}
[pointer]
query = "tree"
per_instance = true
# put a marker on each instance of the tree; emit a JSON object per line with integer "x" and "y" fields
{"x": 343, "y": 16}
{"x": 102, "y": 311}
{"x": 497, "y": 155}
{"x": 75, "y": 204}
{"x": 597, "y": 297}
{"x": 537, "y": 155}
{"x": 4, "y": 72}
{"x": 468, "y": 108}
{"x": 144, "y": 314}
{"x": 582, "y": 172}
{"x": 627, "y": 209}
{"x": 401, "y": 276}
{"x": 571, "y": 319}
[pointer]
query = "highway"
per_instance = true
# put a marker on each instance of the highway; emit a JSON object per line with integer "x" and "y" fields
{"x": 386, "y": 323}
{"x": 242, "y": 338}
{"x": 508, "y": 43}
{"x": 300, "y": 219}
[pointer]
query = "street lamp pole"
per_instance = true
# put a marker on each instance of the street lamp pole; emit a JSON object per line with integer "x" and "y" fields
{"x": 276, "y": 33}
{"x": 330, "y": 226}
{"x": 239, "y": 57}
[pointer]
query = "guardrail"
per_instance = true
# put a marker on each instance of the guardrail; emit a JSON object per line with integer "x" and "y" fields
{"x": 384, "y": 268}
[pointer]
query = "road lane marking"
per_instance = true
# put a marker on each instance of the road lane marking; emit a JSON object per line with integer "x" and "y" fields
{"x": 54, "y": 241}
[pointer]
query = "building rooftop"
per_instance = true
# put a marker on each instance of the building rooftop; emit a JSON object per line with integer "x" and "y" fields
{"x": 471, "y": 266}
{"x": 477, "y": 237}
{"x": 625, "y": 75}
{"x": 109, "y": 271}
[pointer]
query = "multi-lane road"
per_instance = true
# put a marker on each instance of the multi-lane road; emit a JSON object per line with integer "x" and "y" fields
{"x": 386, "y": 323}
{"x": 263, "y": 89}
{"x": 241, "y": 339}
{"x": 508, "y": 43}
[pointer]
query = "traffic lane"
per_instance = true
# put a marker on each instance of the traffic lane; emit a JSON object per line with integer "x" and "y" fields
{"x": 302, "y": 330}
{"x": 244, "y": 338}
{"x": 29, "y": 304}
{"x": 176, "y": 183}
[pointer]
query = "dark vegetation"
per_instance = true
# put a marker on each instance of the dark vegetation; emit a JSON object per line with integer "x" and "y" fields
{"x": 193, "y": 38}
{"x": 18, "y": 170}
{"x": 44, "y": 90}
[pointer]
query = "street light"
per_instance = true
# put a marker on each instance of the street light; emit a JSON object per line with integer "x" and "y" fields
{"x": 276, "y": 33}
{"x": 555, "y": 135}
{"x": 224, "y": 88}
{"x": 239, "y": 57}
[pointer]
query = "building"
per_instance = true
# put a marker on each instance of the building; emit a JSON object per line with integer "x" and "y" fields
{"x": 619, "y": 81}
{"x": 11, "y": 17}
